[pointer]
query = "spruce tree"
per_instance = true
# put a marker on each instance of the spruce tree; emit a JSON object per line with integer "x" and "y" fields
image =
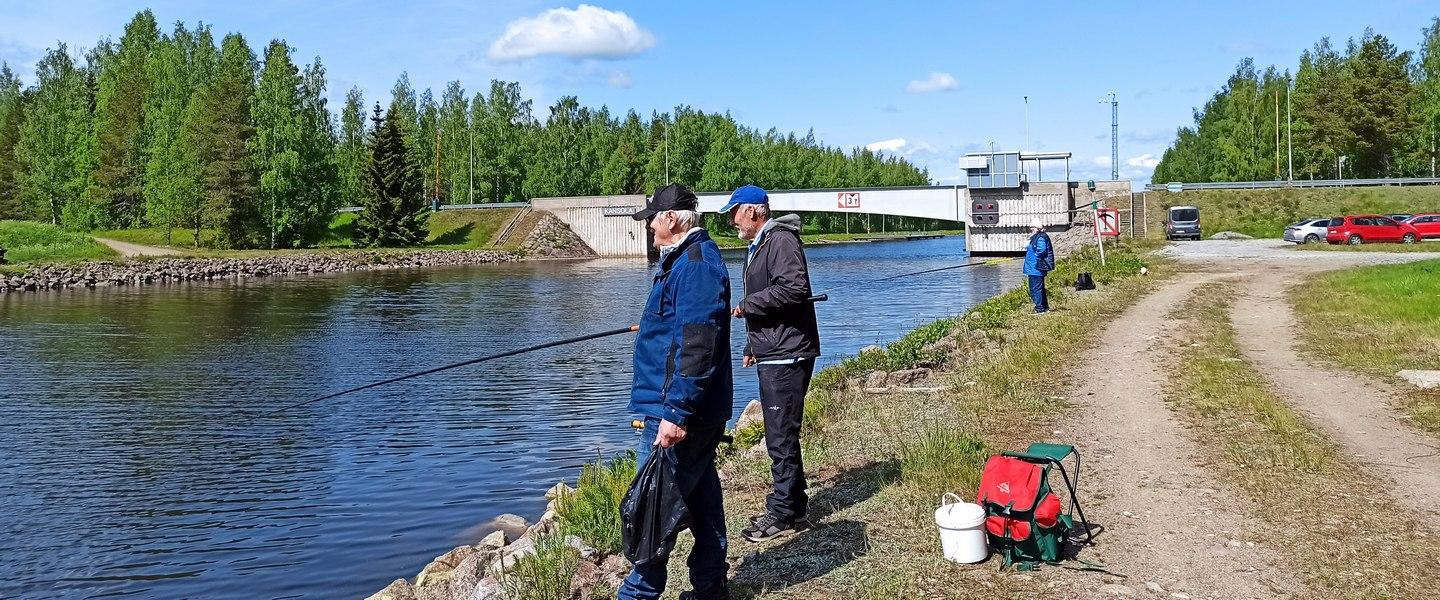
{"x": 118, "y": 181}
{"x": 215, "y": 140}
{"x": 394, "y": 212}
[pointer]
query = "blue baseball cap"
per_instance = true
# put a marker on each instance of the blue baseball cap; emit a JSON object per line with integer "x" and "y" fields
{"x": 746, "y": 194}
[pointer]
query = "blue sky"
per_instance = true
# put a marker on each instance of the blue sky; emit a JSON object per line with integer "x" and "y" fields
{"x": 944, "y": 77}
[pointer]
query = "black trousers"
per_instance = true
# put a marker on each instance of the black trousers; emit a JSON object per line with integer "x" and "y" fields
{"x": 782, "y": 395}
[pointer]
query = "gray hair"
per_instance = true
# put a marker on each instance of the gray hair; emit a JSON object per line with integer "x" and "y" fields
{"x": 762, "y": 211}
{"x": 686, "y": 218}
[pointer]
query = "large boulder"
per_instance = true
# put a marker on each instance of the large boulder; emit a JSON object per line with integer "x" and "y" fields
{"x": 444, "y": 564}
{"x": 459, "y": 583}
{"x": 907, "y": 376}
{"x": 1422, "y": 379}
{"x": 754, "y": 413}
{"x": 397, "y": 590}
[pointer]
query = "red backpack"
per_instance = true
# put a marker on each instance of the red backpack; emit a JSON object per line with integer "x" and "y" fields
{"x": 1024, "y": 522}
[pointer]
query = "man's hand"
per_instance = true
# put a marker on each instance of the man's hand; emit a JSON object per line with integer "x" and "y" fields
{"x": 669, "y": 434}
{"x": 748, "y": 361}
{"x": 739, "y": 312}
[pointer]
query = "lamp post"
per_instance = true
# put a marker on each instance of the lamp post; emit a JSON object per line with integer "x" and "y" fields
{"x": 1340, "y": 169}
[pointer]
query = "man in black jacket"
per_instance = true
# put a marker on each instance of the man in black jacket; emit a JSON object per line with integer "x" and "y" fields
{"x": 783, "y": 342}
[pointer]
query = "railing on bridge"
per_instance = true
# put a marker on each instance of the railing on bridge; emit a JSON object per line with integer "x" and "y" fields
{"x": 1299, "y": 183}
{"x": 350, "y": 209}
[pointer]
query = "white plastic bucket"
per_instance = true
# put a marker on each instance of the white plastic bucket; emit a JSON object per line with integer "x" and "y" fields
{"x": 962, "y": 530}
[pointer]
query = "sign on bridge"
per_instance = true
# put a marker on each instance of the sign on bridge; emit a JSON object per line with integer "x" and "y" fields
{"x": 847, "y": 200}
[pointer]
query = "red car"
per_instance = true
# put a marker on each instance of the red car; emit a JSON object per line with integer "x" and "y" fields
{"x": 1362, "y": 229}
{"x": 1428, "y": 225}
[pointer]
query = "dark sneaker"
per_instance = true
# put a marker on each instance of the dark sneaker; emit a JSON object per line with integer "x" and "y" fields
{"x": 722, "y": 594}
{"x": 769, "y": 527}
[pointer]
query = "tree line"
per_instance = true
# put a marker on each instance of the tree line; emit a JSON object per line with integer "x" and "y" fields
{"x": 1369, "y": 102}
{"x": 169, "y": 130}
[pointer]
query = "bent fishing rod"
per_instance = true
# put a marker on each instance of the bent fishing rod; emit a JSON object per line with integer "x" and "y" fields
{"x": 822, "y": 297}
{"x": 466, "y": 363}
{"x": 595, "y": 336}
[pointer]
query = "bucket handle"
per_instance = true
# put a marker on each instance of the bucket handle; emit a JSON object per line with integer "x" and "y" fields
{"x": 951, "y": 505}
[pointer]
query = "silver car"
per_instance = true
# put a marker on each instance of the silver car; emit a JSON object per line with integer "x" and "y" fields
{"x": 1308, "y": 231}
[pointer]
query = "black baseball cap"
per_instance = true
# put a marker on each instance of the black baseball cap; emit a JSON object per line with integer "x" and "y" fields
{"x": 670, "y": 197}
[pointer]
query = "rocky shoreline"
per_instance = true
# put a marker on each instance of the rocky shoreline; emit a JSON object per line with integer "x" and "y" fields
{"x": 175, "y": 270}
{"x": 478, "y": 572}
{"x": 548, "y": 237}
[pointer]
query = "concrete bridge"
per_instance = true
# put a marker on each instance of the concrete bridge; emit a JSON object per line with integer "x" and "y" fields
{"x": 604, "y": 221}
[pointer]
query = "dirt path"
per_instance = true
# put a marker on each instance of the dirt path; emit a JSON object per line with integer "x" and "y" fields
{"x": 129, "y": 250}
{"x": 1168, "y": 522}
{"x": 1355, "y": 409}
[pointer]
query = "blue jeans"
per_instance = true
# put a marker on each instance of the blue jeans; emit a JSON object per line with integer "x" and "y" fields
{"x": 1037, "y": 293}
{"x": 695, "y": 471}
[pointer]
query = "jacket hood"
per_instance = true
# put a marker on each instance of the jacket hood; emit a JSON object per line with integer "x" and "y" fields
{"x": 790, "y": 221}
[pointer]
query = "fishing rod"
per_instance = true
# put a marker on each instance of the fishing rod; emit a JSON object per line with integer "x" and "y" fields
{"x": 583, "y": 338}
{"x": 593, "y": 336}
{"x": 822, "y": 297}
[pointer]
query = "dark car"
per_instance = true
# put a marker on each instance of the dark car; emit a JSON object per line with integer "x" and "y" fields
{"x": 1182, "y": 222}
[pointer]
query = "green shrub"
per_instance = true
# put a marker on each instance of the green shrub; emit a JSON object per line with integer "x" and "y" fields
{"x": 942, "y": 459}
{"x": 749, "y": 435}
{"x": 592, "y": 511}
{"x": 544, "y": 575}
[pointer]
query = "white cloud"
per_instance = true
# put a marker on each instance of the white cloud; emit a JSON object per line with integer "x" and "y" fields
{"x": 938, "y": 82}
{"x": 1147, "y": 161}
{"x": 619, "y": 79}
{"x": 890, "y": 145}
{"x": 582, "y": 32}
{"x": 1101, "y": 161}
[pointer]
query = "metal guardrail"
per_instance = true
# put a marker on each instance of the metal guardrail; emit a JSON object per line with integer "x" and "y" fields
{"x": 352, "y": 209}
{"x": 1299, "y": 183}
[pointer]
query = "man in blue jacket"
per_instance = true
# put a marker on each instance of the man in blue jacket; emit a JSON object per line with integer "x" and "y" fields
{"x": 1039, "y": 260}
{"x": 682, "y": 384}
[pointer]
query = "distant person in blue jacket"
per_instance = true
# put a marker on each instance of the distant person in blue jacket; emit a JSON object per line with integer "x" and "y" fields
{"x": 682, "y": 384}
{"x": 1039, "y": 260}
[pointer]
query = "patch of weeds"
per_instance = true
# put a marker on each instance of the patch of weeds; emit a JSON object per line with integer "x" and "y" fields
{"x": 592, "y": 511}
{"x": 942, "y": 458}
{"x": 544, "y": 575}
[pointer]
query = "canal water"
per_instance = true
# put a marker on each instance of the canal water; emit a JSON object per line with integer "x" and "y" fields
{"x": 135, "y": 465}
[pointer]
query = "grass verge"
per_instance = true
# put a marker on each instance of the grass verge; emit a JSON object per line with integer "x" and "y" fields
{"x": 1378, "y": 320}
{"x": 1421, "y": 247}
{"x": 31, "y": 242}
{"x": 1324, "y": 514}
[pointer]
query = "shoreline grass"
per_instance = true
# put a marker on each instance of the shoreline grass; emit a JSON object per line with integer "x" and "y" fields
{"x": 1378, "y": 320}
{"x": 28, "y": 242}
{"x": 1299, "y": 482}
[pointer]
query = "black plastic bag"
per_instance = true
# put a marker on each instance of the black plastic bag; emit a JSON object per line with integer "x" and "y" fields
{"x": 654, "y": 510}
